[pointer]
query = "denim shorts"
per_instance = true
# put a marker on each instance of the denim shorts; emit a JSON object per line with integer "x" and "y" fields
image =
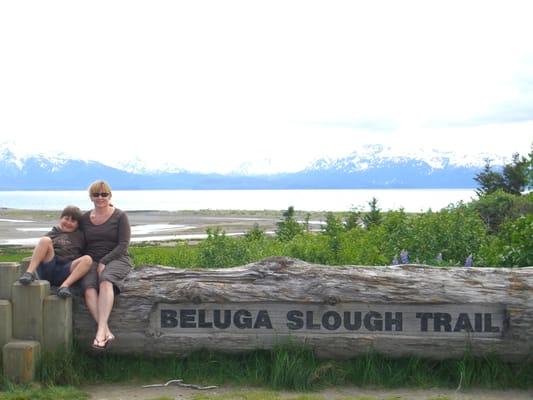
{"x": 54, "y": 272}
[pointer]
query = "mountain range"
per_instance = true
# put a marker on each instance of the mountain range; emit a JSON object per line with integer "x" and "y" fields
{"x": 356, "y": 171}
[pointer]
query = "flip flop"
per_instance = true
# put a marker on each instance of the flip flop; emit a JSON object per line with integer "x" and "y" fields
{"x": 100, "y": 345}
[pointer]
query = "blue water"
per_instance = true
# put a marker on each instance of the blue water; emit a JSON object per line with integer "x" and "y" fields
{"x": 412, "y": 200}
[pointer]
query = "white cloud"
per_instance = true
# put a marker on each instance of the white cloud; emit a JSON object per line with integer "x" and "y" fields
{"x": 212, "y": 85}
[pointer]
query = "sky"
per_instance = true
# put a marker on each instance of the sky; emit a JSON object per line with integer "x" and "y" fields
{"x": 264, "y": 86}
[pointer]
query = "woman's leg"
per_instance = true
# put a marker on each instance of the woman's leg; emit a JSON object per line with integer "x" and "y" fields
{"x": 91, "y": 302}
{"x": 115, "y": 271}
{"x": 106, "y": 297}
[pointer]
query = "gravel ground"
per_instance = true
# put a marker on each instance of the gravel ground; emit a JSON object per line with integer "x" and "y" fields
{"x": 136, "y": 392}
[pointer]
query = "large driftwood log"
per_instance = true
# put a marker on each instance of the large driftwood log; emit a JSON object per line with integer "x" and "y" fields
{"x": 338, "y": 311}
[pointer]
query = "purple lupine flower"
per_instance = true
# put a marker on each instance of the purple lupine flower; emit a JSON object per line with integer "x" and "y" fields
{"x": 439, "y": 258}
{"x": 469, "y": 262}
{"x": 395, "y": 261}
{"x": 404, "y": 256}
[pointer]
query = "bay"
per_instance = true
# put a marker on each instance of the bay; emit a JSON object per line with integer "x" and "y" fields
{"x": 411, "y": 200}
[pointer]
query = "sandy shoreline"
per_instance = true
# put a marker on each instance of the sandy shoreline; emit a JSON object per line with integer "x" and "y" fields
{"x": 24, "y": 227}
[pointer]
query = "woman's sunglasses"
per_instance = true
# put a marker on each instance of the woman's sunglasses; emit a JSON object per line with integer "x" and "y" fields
{"x": 103, "y": 194}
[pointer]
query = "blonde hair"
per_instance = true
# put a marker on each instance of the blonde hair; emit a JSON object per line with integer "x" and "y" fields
{"x": 98, "y": 186}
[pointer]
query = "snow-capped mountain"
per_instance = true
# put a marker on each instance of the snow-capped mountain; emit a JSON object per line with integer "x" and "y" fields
{"x": 38, "y": 172}
{"x": 371, "y": 167}
{"x": 372, "y": 156}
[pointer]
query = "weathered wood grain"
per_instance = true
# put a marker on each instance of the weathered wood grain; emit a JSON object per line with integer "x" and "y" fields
{"x": 279, "y": 284}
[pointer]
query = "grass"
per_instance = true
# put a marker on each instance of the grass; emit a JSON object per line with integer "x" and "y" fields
{"x": 286, "y": 367}
{"x": 13, "y": 254}
{"x": 43, "y": 393}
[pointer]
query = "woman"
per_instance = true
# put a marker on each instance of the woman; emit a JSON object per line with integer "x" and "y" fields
{"x": 107, "y": 233}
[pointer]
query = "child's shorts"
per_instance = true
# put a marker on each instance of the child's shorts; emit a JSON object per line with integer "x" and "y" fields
{"x": 54, "y": 272}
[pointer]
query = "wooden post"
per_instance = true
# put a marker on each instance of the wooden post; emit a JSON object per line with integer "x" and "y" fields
{"x": 20, "y": 360}
{"x": 9, "y": 273}
{"x": 57, "y": 329}
{"x": 28, "y": 319}
{"x": 6, "y": 323}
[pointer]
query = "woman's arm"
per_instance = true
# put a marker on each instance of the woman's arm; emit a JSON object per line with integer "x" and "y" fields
{"x": 123, "y": 240}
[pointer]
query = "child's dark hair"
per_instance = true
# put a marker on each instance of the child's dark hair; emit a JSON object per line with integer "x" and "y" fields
{"x": 72, "y": 212}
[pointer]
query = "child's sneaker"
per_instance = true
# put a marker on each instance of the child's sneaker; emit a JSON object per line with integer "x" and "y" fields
{"x": 64, "y": 292}
{"x": 27, "y": 278}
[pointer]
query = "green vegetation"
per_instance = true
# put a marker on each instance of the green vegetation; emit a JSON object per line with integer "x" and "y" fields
{"x": 288, "y": 227}
{"x": 37, "y": 393}
{"x": 513, "y": 178}
{"x": 494, "y": 231}
{"x": 9, "y": 254}
{"x": 499, "y": 206}
{"x": 286, "y": 367}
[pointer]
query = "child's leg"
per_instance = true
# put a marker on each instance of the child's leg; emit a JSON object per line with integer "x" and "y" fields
{"x": 44, "y": 251}
{"x": 78, "y": 268}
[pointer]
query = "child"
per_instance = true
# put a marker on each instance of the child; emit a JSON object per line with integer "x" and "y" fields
{"x": 57, "y": 257}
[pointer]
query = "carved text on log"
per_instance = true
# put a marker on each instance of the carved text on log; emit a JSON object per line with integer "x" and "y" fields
{"x": 474, "y": 320}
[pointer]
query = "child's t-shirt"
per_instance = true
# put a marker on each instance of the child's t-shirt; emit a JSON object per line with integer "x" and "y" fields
{"x": 67, "y": 245}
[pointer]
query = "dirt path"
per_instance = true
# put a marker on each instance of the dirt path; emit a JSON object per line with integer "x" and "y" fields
{"x": 136, "y": 392}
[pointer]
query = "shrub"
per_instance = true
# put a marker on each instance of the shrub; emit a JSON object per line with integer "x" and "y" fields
{"x": 497, "y": 207}
{"x": 182, "y": 255}
{"x": 362, "y": 247}
{"x": 333, "y": 230}
{"x": 513, "y": 246}
{"x": 309, "y": 247}
{"x": 219, "y": 251}
{"x": 288, "y": 227}
{"x": 393, "y": 234}
{"x": 454, "y": 232}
